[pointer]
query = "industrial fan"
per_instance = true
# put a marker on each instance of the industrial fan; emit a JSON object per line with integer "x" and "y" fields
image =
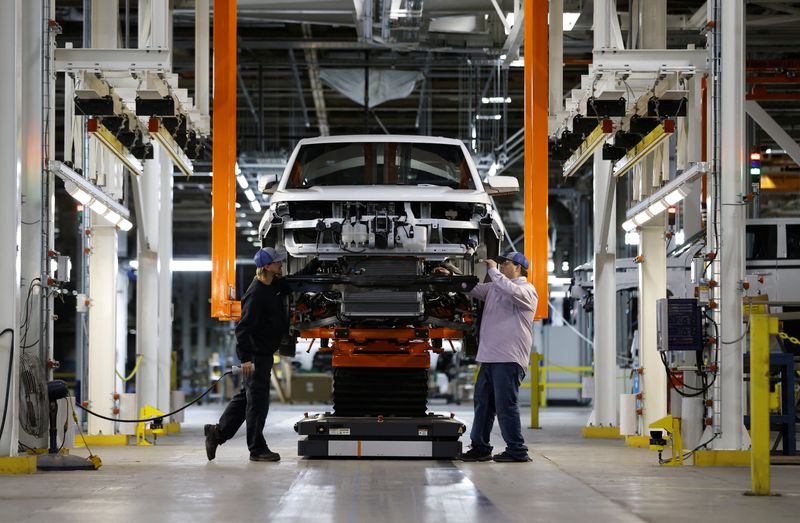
{"x": 33, "y": 409}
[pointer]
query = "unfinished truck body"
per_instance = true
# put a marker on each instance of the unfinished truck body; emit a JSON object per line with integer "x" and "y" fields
{"x": 365, "y": 220}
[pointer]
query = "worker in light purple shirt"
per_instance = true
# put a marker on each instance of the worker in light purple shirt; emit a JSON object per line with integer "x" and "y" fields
{"x": 504, "y": 354}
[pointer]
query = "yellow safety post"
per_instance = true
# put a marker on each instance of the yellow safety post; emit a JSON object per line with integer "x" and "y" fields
{"x": 672, "y": 427}
{"x": 536, "y": 359}
{"x": 147, "y": 412}
{"x": 761, "y": 326}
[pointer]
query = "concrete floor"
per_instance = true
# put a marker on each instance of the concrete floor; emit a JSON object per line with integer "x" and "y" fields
{"x": 570, "y": 479}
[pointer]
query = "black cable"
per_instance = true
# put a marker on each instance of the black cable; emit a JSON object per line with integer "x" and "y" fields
{"x": 8, "y": 380}
{"x": 158, "y": 418}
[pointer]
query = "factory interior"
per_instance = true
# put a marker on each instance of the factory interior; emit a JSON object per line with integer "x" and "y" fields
{"x": 313, "y": 211}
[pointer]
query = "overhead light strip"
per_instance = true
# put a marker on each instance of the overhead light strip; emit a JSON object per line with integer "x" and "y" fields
{"x": 640, "y": 151}
{"x": 667, "y": 196}
{"x": 90, "y": 195}
{"x": 595, "y": 139}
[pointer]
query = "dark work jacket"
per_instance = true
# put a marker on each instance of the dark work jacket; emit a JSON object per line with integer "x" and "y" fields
{"x": 264, "y": 321}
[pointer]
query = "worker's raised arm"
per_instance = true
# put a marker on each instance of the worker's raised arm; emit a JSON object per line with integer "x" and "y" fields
{"x": 480, "y": 291}
{"x": 523, "y": 296}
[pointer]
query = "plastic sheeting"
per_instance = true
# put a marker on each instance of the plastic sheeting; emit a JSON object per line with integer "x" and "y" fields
{"x": 384, "y": 84}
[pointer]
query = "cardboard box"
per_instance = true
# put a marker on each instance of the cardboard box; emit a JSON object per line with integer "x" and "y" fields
{"x": 311, "y": 387}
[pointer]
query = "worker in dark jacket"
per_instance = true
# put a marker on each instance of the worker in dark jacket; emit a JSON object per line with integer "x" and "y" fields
{"x": 259, "y": 331}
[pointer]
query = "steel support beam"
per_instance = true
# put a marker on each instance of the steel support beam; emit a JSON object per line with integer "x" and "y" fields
{"x": 733, "y": 179}
{"x": 102, "y": 324}
{"x": 147, "y": 282}
{"x": 604, "y": 337}
{"x": 536, "y": 140}
{"x": 201, "y": 57}
{"x": 556, "y": 53}
{"x": 775, "y": 131}
{"x": 165, "y": 284}
{"x": 316, "y": 85}
{"x": 299, "y": 87}
{"x": 652, "y": 247}
{"x": 11, "y": 140}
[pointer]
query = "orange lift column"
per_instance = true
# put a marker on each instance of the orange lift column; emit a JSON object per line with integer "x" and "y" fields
{"x": 536, "y": 170}
{"x": 224, "y": 305}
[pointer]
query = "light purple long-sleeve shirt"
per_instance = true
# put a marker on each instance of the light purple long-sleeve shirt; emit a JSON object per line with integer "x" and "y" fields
{"x": 507, "y": 319}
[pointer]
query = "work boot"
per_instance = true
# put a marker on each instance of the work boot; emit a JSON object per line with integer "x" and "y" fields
{"x": 212, "y": 441}
{"x": 505, "y": 457}
{"x": 474, "y": 454}
{"x": 265, "y": 455}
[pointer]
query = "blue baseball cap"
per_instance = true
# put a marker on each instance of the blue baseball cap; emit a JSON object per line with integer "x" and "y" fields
{"x": 268, "y": 255}
{"x": 518, "y": 258}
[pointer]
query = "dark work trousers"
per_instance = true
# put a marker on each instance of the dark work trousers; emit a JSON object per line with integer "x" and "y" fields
{"x": 250, "y": 405}
{"x": 496, "y": 394}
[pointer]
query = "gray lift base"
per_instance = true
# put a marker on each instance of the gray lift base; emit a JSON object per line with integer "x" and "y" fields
{"x": 432, "y": 436}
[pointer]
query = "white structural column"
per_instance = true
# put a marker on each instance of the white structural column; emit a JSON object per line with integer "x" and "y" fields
{"x": 605, "y": 260}
{"x": 652, "y": 286}
{"x": 731, "y": 248}
{"x": 605, "y": 299}
{"x": 31, "y": 157}
{"x": 102, "y": 323}
{"x": 652, "y": 247}
{"x": 147, "y": 283}
{"x": 556, "y": 55}
{"x": 165, "y": 283}
{"x": 103, "y": 258}
{"x": 10, "y": 147}
{"x": 201, "y": 57}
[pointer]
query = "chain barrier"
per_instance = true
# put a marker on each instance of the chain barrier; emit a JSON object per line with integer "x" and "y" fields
{"x": 790, "y": 339}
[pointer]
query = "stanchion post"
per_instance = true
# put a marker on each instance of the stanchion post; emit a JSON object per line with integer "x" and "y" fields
{"x": 536, "y": 360}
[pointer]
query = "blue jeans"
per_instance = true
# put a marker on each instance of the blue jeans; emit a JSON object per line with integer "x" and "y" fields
{"x": 496, "y": 394}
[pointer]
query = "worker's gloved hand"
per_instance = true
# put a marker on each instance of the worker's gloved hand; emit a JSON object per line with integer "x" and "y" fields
{"x": 248, "y": 368}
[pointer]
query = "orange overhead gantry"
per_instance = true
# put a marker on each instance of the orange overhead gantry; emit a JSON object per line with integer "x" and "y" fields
{"x": 224, "y": 305}
{"x": 536, "y": 172}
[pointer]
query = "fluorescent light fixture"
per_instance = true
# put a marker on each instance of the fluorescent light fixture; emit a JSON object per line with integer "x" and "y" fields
{"x": 251, "y": 196}
{"x": 657, "y": 208}
{"x": 238, "y": 205}
{"x": 112, "y": 217}
{"x": 488, "y": 116}
{"x": 98, "y": 207}
{"x": 674, "y": 197}
{"x": 628, "y": 226}
{"x": 251, "y": 232}
{"x": 551, "y": 266}
{"x": 642, "y": 217}
{"x": 519, "y": 62}
{"x": 73, "y": 190}
{"x": 236, "y": 169}
{"x": 496, "y": 100}
{"x": 242, "y": 181}
{"x": 90, "y": 195}
{"x": 125, "y": 225}
{"x": 255, "y": 206}
{"x": 631, "y": 238}
{"x": 680, "y": 237}
{"x": 493, "y": 169}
